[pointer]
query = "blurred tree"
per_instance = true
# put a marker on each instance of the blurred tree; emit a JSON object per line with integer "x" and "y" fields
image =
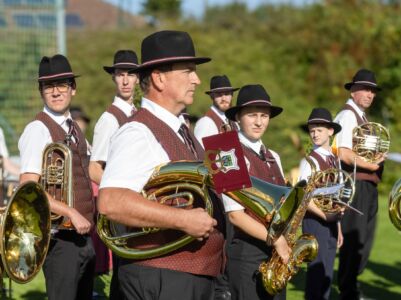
{"x": 162, "y": 8}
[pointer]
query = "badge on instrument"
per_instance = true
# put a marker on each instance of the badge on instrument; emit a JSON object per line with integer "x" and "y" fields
{"x": 225, "y": 160}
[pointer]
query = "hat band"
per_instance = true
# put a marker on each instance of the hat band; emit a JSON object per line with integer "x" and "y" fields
{"x": 56, "y": 75}
{"x": 319, "y": 120}
{"x": 363, "y": 82}
{"x": 221, "y": 88}
{"x": 125, "y": 63}
{"x": 256, "y": 102}
{"x": 166, "y": 59}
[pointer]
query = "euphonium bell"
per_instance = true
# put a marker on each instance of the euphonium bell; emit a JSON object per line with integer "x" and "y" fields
{"x": 370, "y": 141}
{"x": 394, "y": 205}
{"x": 25, "y": 232}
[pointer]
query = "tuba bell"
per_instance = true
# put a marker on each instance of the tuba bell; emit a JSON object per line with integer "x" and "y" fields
{"x": 57, "y": 178}
{"x": 25, "y": 232}
{"x": 394, "y": 205}
{"x": 370, "y": 141}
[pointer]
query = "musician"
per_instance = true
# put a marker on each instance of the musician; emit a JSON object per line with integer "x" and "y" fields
{"x": 248, "y": 248}
{"x": 9, "y": 167}
{"x": 324, "y": 226}
{"x": 358, "y": 230}
{"x": 214, "y": 121}
{"x": 70, "y": 262}
{"x": 156, "y": 135}
{"x": 118, "y": 112}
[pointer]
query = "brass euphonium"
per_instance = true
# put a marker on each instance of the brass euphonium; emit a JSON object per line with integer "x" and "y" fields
{"x": 332, "y": 204}
{"x": 370, "y": 141}
{"x": 394, "y": 205}
{"x": 24, "y": 232}
{"x": 57, "y": 179}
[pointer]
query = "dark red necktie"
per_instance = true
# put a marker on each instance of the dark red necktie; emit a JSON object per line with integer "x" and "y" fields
{"x": 263, "y": 155}
{"x": 183, "y": 131}
{"x": 331, "y": 161}
{"x": 72, "y": 131}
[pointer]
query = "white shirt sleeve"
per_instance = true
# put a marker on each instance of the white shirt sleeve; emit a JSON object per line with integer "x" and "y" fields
{"x": 305, "y": 169}
{"x": 105, "y": 127}
{"x": 3, "y": 146}
{"x": 348, "y": 122}
{"x": 134, "y": 153}
{"x": 31, "y": 145}
{"x": 205, "y": 127}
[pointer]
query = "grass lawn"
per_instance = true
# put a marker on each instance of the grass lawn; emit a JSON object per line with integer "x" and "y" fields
{"x": 381, "y": 279}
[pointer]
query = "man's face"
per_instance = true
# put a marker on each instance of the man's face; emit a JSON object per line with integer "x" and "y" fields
{"x": 320, "y": 134}
{"x": 57, "y": 95}
{"x": 363, "y": 96}
{"x": 253, "y": 121}
{"x": 181, "y": 83}
{"x": 125, "y": 83}
{"x": 222, "y": 100}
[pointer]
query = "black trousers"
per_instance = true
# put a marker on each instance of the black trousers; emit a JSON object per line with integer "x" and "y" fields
{"x": 69, "y": 267}
{"x": 244, "y": 258}
{"x": 358, "y": 234}
{"x": 147, "y": 283}
{"x": 319, "y": 273}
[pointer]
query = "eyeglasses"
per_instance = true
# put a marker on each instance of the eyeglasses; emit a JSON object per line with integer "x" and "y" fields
{"x": 61, "y": 87}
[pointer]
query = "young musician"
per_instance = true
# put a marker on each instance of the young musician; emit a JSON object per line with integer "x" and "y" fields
{"x": 70, "y": 262}
{"x": 325, "y": 227}
{"x": 248, "y": 248}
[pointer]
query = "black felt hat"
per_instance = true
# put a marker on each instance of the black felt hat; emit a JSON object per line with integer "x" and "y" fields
{"x": 55, "y": 68}
{"x": 220, "y": 83}
{"x": 123, "y": 59}
{"x": 365, "y": 78}
{"x": 166, "y": 47}
{"x": 253, "y": 95}
{"x": 321, "y": 116}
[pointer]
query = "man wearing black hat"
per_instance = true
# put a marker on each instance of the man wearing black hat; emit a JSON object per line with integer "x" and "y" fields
{"x": 70, "y": 261}
{"x": 325, "y": 227}
{"x": 248, "y": 248}
{"x": 358, "y": 230}
{"x": 221, "y": 92}
{"x": 156, "y": 135}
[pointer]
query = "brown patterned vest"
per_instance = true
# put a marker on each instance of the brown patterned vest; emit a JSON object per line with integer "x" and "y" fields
{"x": 362, "y": 174}
{"x": 201, "y": 258}
{"x": 120, "y": 116}
{"x": 323, "y": 164}
{"x": 219, "y": 122}
{"x": 82, "y": 188}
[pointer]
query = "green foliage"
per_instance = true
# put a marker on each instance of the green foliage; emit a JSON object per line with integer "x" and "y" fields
{"x": 157, "y": 8}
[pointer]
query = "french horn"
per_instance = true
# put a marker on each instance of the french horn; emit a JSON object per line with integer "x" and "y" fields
{"x": 370, "y": 141}
{"x": 25, "y": 232}
{"x": 394, "y": 205}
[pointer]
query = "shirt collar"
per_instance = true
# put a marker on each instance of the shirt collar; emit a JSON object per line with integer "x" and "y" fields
{"x": 360, "y": 112}
{"x": 323, "y": 152}
{"x": 123, "y": 105}
{"x": 255, "y": 146}
{"x": 220, "y": 113}
{"x": 163, "y": 114}
{"x": 60, "y": 119}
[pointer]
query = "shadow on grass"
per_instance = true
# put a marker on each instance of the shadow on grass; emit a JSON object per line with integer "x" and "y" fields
{"x": 32, "y": 295}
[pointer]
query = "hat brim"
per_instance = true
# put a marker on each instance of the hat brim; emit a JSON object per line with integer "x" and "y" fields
{"x": 348, "y": 85}
{"x": 170, "y": 60}
{"x": 336, "y": 127}
{"x": 220, "y": 90}
{"x": 57, "y": 78}
{"x": 232, "y": 111}
{"x": 129, "y": 68}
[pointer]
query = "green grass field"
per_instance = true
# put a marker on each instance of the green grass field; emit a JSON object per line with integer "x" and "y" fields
{"x": 381, "y": 279}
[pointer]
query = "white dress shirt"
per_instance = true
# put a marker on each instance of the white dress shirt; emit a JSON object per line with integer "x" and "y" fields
{"x": 348, "y": 121}
{"x": 230, "y": 204}
{"x": 134, "y": 151}
{"x": 34, "y": 139}
{"x": 3, "y": 146}
{"x": 305, "y": 169}
{"x": 105, "y": 127}
{"x": 205, "y": 126}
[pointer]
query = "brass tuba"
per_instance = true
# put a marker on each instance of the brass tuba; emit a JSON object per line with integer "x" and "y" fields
{"x": 57, "y": 178}
{"x": 25, "y": 232}
{"x": 370, "y": 141}
{"x": 394, "y": 205}
{"x": 273, "y": 205}
{"x": 330, "y": 203}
